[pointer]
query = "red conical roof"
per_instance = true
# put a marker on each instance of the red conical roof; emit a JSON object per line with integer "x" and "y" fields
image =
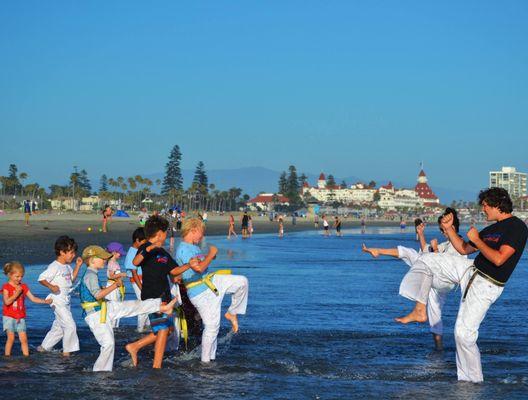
{"x": 322, "y": 177}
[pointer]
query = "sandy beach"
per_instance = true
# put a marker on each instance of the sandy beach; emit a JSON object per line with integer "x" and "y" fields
{"x": 34, "y": 244}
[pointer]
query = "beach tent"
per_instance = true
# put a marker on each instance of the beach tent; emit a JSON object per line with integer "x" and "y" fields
{"x": 121, "y": 214}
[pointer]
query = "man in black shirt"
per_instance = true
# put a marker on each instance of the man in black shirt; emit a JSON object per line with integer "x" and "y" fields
{"x": 481, "y": 281}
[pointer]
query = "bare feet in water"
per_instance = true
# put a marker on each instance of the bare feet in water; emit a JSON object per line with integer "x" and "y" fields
{"x": 233, "y": 319}
{"x": 373, "y": 252}
{"x": 133, "y": 354}
{"x": 418, "y": 314}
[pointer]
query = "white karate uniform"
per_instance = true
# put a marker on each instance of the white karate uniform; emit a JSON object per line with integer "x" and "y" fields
{"x": 173, "y": 341}
{"x": 142, "y": 319}
{"x": 104, "y": 333}
{"x": 481, "y": 295}
{"x": 113, "y": 267}
{"x": 209, "y": 306}
{"x": 439, "y": 289}
{"x": 63, "y": 327}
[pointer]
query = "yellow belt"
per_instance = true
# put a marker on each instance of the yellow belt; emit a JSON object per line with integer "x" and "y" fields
{"x": 182, "y": 321}
{"x": 87, "y": 305}
{"x": 121, "y": 289}
{"x": 207, "y": 280}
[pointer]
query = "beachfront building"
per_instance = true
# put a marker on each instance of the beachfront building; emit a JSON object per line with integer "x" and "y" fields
{"x": 90, "y": 203}
{"x": 64, "y": 204}
{"x": 424, "y": 191}
{"x": 267, "y": 202}
{"x": 324, "y": 193}
{"x": 511, "y": 180}
{"x": 391, "y": 198}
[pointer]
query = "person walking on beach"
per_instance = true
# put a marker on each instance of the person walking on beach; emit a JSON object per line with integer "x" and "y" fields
{"x": 245, "y": 223}
{"x": 231, "y": 230}
{"x": 281, "y": 227}
{"x": 481, "y": 280}
{"x": 58, "y": 278}
{"x": 27, "y": 212}
{"x": 363, "y": 225}
{"x": 107, "y": 216}
{"x": 326, "y": 226}
{"x": 250, "y": 226}
{"x": 337, "y": 226}
{"x": 316, "y": 221}
{"x": 14, "y": 293}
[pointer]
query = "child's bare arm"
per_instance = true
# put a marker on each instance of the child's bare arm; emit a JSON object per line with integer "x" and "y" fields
{"x": 101, "y": 294}
{"x": 138, "y": 259}
{"x": 53, "y": 288}
{"x": 136, "y": 279}
{"x": 8, "y": 300}
{"x": 78, "y": 264}
{"x": 36, "y": 299}
{"x": 203, "y": 265}
{"x": 116, "y": 275}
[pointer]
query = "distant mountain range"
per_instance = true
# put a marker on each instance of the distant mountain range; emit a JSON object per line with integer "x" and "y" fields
{"x": 253, "y": 180}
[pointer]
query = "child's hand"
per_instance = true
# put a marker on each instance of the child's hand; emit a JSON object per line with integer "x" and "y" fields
{"x": 78, "y": 262}
{"x": 18, "y": 290}
{"x": 119, "y": 282}
{"x": 55, "y": 289}
{"x": 122, "y": 275}
{"x": 48, "y": 301}
{"x": 193, "y": 262}
{"x": 213, "y": 251}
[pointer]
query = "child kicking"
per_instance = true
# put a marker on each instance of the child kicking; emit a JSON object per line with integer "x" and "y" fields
{"x": 59, "y": 278}
{"x": 206, "y": 290}
{"x": 100, "y": 314}
{"x": 14, "y": 310}
{"x": 157, "y": 266}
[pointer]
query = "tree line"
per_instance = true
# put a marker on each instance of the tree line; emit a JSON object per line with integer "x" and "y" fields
{"x": 130, "y": 191}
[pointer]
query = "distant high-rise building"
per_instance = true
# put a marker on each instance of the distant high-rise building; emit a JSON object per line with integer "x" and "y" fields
{"x": 511, "y": 180}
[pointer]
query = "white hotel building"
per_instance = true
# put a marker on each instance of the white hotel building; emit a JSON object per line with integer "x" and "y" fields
{"x": 511, "y": 180}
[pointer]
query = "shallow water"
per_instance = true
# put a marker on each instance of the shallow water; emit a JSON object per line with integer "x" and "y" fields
{"x": 319, "y": 326}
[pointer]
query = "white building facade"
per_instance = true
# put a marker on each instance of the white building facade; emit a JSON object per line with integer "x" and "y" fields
{"x": 508, "y": 178}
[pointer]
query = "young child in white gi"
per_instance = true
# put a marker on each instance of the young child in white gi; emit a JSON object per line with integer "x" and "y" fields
{"x": 59, "y": 278}
{"x": 100, "y": 314}
{"x": 114, "y": 272}
{"x": 206, "y": 290}
{"x": 134, "y": 273}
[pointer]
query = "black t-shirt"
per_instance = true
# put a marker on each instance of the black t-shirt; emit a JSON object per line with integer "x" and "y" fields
{"x": 512, "y": 232}
{"x": 155, "y": 269}
{"x": 245, "y": 220}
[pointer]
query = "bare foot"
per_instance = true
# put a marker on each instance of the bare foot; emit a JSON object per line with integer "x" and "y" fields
{"x": 65, "y": 354}
{"x": 416, "y": 315}
{"x": 133, "y": 354}
{"x": 169, "y": 307}
{"x": 439, "y": 346}
{"x": 373, "y": 252}
{"x": 233, "y": 319}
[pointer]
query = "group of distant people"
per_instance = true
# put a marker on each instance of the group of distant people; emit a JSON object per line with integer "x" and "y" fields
{"x": 160, "y": 283}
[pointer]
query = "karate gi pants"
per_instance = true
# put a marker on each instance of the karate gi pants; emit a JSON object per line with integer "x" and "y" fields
{"x": 142, "y": 319}
{"x": 437, "y": 294}
{"x": 481, "y": 295}
{"x": 63, "y": 328}
{"x": 209, "y": 306}
{"x": 104, "y": 333}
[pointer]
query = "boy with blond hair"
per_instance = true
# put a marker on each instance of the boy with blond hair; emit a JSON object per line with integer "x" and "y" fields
{"x": 207, "y": 289}
{"x": 100, "y": 314}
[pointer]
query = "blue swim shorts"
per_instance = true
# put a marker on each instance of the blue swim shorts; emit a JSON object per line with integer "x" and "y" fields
{"x": 160, "y": 321}
{"x": 14, "y": 325}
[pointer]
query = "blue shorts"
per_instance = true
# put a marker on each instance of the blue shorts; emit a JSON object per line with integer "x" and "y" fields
{"x": 159, "y": 321}
{"x": 14, "y": 325}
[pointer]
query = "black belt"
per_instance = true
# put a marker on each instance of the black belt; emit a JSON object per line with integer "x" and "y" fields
{"x": 482, "y": 274}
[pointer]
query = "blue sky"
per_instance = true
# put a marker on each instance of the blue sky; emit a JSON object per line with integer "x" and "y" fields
{"x": 363, "y": 88}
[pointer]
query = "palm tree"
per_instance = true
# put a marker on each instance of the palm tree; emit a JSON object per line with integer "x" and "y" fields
{"x": 23, "y": 176}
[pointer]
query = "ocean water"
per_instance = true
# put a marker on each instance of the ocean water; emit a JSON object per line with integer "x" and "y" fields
{"x": 319, "y": 326}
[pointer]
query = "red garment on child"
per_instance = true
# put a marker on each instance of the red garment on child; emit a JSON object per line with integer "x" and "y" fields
{"x": 17, "y": 309}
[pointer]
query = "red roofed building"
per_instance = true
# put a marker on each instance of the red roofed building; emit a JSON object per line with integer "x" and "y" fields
{"x": 265, "y": 201}
{"x": 425, "y": 192}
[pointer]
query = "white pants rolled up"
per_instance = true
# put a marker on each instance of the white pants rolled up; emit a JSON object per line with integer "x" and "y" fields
{"x": 104, "y": 333}
{"x": 210, "y": 308}
{"x": 63, "y": 328}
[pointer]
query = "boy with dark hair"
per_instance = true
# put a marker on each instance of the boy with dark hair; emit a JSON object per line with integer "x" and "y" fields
{"x": 59, "y": 278}
{"x": 481, "y": 280}
{"x": 157, "y": 266}
{"x": 134, "y": 273}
